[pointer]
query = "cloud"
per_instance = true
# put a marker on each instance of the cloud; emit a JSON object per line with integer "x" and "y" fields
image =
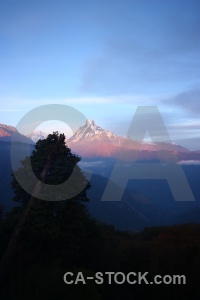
{"x": 85, "y": 164}
{"x": 186, "y": 126}
{"x": 158, "y": 50}
{"x": 188, "y": 100}
{"x": 112, "y": 99}
{"x": 9, "y": 110}
{"x": 189, "y": 162}
{"x": 126, "y": 66}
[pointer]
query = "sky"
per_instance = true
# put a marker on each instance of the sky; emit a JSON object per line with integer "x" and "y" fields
{"x": 104, "y": 58}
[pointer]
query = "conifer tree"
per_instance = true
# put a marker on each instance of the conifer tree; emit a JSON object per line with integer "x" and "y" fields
{"x": 53, "y": 163}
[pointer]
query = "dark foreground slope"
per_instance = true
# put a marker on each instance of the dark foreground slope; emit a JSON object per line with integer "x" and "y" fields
{"x": 145, "y": 203}
{"x": 78, "y": 244}
{"x": 54, "y": 241}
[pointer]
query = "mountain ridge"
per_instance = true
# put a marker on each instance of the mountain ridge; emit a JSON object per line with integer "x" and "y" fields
{"x": 10, "y": 133}
{"x": 91, "y": 140}
{"x": 91, "y": 130}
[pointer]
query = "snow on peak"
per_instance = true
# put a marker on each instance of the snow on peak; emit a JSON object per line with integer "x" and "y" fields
{"x": 37, "y": 135}
{"x": 91, "y": 130}
{"x": 90, "y": 122}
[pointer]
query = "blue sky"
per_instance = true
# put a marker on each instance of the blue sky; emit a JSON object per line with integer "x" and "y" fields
{"x": 104, "y": 58}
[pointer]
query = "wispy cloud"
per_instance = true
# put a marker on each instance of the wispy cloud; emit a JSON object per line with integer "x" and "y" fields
{"x": 189, "y": 162}
{"x": 9, "y": 110}
{"x": 120, "y": 99}
{"x": 188, "y": 100}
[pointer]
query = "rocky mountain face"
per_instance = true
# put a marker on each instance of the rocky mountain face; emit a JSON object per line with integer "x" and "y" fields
{"x": 10, "y": 133}
{"x": 92, "y": 141}
{"x": 90, "y": 131}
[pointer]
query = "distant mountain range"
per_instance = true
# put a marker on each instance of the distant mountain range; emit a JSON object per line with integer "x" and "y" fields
{"x": 92, "y": 141}
{"x": 144, "y": 203}
{"x": 10, "y": 133}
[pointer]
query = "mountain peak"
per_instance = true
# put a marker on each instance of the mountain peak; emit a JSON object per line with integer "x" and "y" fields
{"x": 8, "y": 128}
{"x": 91, "y": 131}
{"x": 92, "y": 140}
{"x": 10, "y": 133}
{"x": 37, "y": 135}
{"x": 90, "y": 122}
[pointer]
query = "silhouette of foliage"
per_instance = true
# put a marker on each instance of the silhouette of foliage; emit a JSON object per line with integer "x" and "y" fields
{"x": 61, "y": 237}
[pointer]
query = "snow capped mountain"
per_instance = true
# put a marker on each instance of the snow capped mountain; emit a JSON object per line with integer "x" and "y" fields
{"x": 92, "y": 140}
{"x": 37, "y": 135}
{"x": 90, "y": 131}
